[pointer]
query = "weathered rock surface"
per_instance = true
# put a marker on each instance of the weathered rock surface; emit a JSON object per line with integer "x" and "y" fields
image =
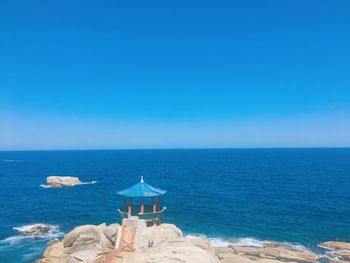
{"x": 54, "y": 254}
{"x": 62, "y": 181}
{"x": 83, "y": 244}
{"x": 160, "y": 234}
{"x": 270, "y": 252}
{"x": 37, "y": 230}
{"x": 338, "y": 251}
{"x": 174, "y": 251}
{"x": 111, "y": 232}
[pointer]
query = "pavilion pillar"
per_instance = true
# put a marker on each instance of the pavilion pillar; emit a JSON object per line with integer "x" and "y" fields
{"x": 129, "y": 206}
{"x": 154, "y": 204}
{"x": 142, "y": 208}
{"x": 159, "y": 203}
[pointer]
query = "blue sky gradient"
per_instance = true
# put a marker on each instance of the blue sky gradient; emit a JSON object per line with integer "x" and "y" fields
{"x": 160, "y": 74}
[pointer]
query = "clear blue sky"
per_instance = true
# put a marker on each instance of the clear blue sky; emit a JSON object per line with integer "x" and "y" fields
{"x": 160, "y": 74}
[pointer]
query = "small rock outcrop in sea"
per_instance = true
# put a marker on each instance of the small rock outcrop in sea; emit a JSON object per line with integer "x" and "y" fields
{"x": 36, "y": 230}
{"x": 337, "y": 251}
{"x": 95, "y": 244}
{"x": 62, "y": 181}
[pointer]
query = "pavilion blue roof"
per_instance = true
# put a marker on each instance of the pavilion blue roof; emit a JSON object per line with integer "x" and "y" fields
{"x": 141, "y": 189}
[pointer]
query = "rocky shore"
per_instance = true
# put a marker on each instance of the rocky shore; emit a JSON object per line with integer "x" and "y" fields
{"x": 95, "y": 244}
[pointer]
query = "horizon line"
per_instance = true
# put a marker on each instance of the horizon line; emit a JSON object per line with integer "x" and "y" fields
{"x": 175, "y": 148}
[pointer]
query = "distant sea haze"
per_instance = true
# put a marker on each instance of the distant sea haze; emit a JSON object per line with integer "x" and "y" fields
{"x": 300, "y": 196}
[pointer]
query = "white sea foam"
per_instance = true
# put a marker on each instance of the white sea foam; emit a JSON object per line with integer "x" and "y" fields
{"x": 250, "y": 242}
{"x": 225, "y": 242}
{"x": 242, "y": 242}
{"x": 9, "y": 160}
{"x": 92, "y": 182}
{"x": 45, "y": 186}
{"x": 219, "y": 242}
{"x": 196, "y": 236}
{"x": 82, "y": 183}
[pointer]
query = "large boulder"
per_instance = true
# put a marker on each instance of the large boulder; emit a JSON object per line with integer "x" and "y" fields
{"x": 86, "y": 237}
{"x": 83, "y": 244}
{"x": 160, "y": 234}
{"x": 62, "y": 181}
{"x": 54, "y": 253}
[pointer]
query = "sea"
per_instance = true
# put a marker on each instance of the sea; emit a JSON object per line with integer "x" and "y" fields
{"x": 230, "y": 196}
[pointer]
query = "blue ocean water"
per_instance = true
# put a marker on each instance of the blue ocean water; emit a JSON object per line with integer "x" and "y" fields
{"x": 290, "y": 195}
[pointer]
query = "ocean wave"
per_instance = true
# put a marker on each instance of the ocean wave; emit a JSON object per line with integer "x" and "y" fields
{"x": 31, "y": 232}
{"x": 244, "y": 242}
{"x": 92, "y": 182}
{"x": 225, "y": 242}
{"x": 9, "y": 160}
{"x": 45, "y": 186}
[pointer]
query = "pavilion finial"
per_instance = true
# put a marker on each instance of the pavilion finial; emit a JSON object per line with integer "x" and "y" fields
{"x": 141, "y": 179}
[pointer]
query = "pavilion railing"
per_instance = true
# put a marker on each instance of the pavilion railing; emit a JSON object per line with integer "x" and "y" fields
{"x": 148, "y": 216}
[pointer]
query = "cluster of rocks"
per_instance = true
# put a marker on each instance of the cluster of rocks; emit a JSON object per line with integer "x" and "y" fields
{"x": 83, "y": 244}
{"x": 338, "y": 252}
{"x": 95, "y": 244}
{"x": 36, "y": 230}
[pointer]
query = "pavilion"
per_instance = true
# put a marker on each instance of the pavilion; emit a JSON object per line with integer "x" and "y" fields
{"x": 142, "y": 192}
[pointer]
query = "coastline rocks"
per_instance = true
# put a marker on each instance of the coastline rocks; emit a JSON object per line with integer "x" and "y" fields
{"x": 36, "y": 230}
{"x": 83, "y": 244}
{"x": 338, "y": 251}
{"x": 169, "y": 251}
{"x": 95, "y": 244}
{"x": 62, "y": 181}
{"x": 54, "y": 254}
{"x": 270, "y": 252}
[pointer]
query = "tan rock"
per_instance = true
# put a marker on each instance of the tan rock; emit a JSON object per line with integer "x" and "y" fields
{"x": 203, "y": 244}
{"x": 111, "y": 232}
{"x": 336, "y": 245}
{"x": 176, "y": 251}
{"x": 271, "y": 252}
{"x": 62, "y": 181}
{"x": 82, "y": 235}
{"x": 54, "y": 254}
{"x": 160, "y": 234}
{"x": 88, "y": 236}
{"x": 183, "y": 250}
{"x": 87, "y": 256}
{"x": 340, "y": 249}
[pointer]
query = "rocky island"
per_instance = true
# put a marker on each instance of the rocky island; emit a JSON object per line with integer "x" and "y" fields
{"x": 63, "y": 181}
{"x": 165, "y": 243}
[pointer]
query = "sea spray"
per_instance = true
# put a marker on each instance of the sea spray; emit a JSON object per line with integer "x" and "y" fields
{"x": 32, "y": 232}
